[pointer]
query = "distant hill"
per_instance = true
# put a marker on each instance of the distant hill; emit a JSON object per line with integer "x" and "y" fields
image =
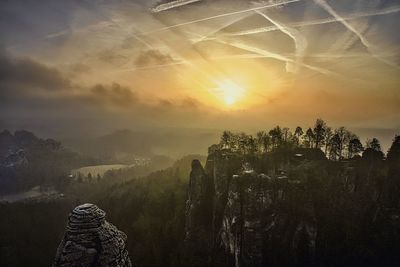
{"x": 123, "y": 146}
{"x": 27, "y": 161}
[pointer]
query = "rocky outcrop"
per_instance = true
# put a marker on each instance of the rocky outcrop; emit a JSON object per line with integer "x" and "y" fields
{"x": 254, "y": 220}
{"x": 200, "y": 199}
{"x": 90, "y": 240}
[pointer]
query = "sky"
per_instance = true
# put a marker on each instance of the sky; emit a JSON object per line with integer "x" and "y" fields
{"x": 91, "y": 66}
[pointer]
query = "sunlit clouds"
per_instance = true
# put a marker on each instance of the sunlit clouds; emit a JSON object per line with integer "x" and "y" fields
{"x": 195, "y": 63}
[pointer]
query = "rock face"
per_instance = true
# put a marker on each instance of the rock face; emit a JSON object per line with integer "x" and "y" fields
{"x": 253, "y": 220}
{"x": 90, "y": 240}
{"x": 199, "y": 204}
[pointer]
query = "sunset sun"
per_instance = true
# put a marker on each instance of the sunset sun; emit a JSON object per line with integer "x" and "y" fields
{"x": 229, "y": 92}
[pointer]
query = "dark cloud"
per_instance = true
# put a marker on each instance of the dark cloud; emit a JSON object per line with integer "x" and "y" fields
{"x": 26, "y": 74}
{"x": 29, "y": 83}
{"x": 114, "y": 94}
{"x": 153, "y": 57}
{"x": 45, "y": 95}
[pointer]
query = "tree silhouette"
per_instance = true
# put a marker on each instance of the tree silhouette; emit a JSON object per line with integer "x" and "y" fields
{"x": 297, "y": 134}
{"x": 355, "y": 147}
{"x": 276, "y": 136}
{"x": 393, "y": 155}
{"x": 328, "y": 136}
{"x": 374, "y": 144}
{"x": 319, "y": 133}
{"x": 309, "y": 138}
{"x": 393, "y": 179}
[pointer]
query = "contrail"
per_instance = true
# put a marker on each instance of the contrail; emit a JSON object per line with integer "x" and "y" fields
{"x": 268, "y": 54}
{"x": 299, "y": 40}
{"x": 363, "y": 40}
{"x": 223, "y": 15}
{"x": 322, "y": 55}
{"x": 171, "y": 5}
{"x": 317, "y": 22}
{"x": 221, "y": 28}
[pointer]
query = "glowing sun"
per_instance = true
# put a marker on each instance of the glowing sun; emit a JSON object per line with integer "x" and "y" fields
{"x": 229, "y": 92}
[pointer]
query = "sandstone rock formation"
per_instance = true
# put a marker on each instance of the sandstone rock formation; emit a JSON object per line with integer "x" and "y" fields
{"x": 254, "y": 222}
{"x": 90, "y": 240}
{"x": 199, "y": 204}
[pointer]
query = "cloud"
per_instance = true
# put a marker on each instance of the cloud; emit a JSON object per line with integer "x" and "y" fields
{"x": 27, "y": 82}
{"x": 28, "y": 88}
{"x": 27, "y": 74}
{"x": 153, "y": 57}
{"x": 114, "y": 94}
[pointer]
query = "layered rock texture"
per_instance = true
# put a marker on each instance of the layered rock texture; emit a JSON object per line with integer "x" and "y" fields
{"x": 90, "y": 240}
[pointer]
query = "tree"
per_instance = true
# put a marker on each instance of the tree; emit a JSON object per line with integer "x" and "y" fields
{"x": 297, "y": 134}
{"x": 319, "y": 133}
{"x": 226, "y": 140}
{"x": 309, "y": 138}
{"x": 355, "y": 147}
{"x": 243, "y": 143}
{"x": 251, "y": 145}
{"x": 338, "y": 143}
{"x": 262, "y": 140}
{"x": 267, "y": 142}
{"x": 393, "y": 178}
{"x": 286, "y": 134}
{"x": 276, "y": 136}
{"x": 328, "y": 136}
{"x": 374, "y": 144}
{"x": 393, "y": 154}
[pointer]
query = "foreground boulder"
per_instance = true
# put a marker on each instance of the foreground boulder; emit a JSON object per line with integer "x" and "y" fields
{"x": 90, "y": 240}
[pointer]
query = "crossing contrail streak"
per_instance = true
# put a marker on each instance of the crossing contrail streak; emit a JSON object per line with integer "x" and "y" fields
{"x": 222, "y": 27}
{"x": 317, "y": 22}
{"x": 322, "y": 56}
{"x": 222, "y": 15}
{"x": 299, "y": 40}
{"x": 268, "y": 54}
{"x": 363, "y": 40}
{"x": 172, "y": 4}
